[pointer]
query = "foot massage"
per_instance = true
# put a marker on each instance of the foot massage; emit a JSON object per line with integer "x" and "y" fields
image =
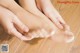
{"x": 30, "y": 19}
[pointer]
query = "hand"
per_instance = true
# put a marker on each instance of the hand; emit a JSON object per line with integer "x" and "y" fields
{"x": 12, "y": 24}
{"x": 44, "y": 8}
{"x": 47, "y": 8}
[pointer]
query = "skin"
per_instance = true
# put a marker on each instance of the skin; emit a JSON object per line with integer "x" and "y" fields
{"x": 44, "y": 8}
{"x": 34, "y": 23}
{"x": 39, "y": 26}
{"x": 12, "y": 24}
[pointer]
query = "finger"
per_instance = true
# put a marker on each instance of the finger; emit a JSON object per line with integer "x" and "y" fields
{"x": 54, "y": 20}
{"x": 62, "y": 22}
{"x": 48, "y": 11}
{"x": 29, "y": 36}
{"x": 65, "y": 26}
{"x": 54, "y": 11}
{"x": 11, "y": 30}
{"x": 7, "y": 23}
{"x": 21, "y": 27}
{"x": 60, "y": 19}
{"x": 17, "y": 34}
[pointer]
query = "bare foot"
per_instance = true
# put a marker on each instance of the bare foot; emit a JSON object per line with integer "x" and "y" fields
{"x": 39, "y": 25}
{"x": 46, "y": 7}
{"x": 42, "y": 27}
{"x": 63, "y": 36}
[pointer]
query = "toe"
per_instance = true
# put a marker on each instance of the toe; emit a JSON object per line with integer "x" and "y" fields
{"x": 69, "y": 36}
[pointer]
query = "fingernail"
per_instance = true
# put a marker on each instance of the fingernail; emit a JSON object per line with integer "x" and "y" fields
{"x": 26, "y": 29}
{"x": 61, "y": 27}
{"x": 70, "y": 40}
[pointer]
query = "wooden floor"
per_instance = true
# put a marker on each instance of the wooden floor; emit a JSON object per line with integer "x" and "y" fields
{"x": 71, "y": 14}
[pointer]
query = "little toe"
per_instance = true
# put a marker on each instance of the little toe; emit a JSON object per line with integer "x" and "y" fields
{"x": 70, "y": 36}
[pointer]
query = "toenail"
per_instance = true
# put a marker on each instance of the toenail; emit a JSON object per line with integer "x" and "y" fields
{"x": 70, "y": 40}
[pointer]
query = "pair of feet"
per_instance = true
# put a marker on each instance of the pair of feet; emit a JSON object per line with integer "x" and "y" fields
{"x": 39, "y": 25}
